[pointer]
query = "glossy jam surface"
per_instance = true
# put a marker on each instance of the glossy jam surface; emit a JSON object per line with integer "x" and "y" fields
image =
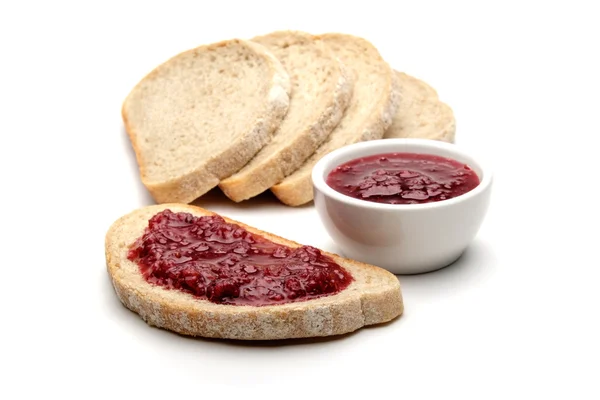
{"x": 403, "y": 178}
{"x": 224, "y": 263}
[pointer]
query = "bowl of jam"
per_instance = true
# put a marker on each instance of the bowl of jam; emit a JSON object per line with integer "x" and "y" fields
{"x": 407, "y": 205}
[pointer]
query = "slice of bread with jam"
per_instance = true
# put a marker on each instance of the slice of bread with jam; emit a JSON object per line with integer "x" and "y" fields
{"x": 194, "y": 272}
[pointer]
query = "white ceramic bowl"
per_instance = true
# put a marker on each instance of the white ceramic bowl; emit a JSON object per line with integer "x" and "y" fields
{"x": 402, "y": 238}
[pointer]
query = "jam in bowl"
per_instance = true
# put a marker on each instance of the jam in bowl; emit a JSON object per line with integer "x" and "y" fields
{"x": 407, "y": 205}
{"x": 403, "y": 178}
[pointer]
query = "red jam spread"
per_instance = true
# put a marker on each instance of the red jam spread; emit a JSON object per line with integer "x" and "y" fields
{"x": 225, "y": 264}
{"x": 403, "y": 178}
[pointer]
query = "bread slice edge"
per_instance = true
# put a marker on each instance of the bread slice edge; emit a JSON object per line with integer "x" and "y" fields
{"x": 436, "y": 119}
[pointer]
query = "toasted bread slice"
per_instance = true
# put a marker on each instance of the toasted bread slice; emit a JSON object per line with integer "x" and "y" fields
{"x": 422, "y": 114}
{"x": 373, "y": 297}
{"x": 374, "y": 102}
{"x": 202, "y": 115}
{"x": 321, "y": 91}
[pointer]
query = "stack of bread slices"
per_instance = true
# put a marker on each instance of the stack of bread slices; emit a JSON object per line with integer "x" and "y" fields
{"x": 255, "y": 115}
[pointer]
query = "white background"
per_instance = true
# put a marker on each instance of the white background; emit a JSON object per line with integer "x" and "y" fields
{"x": 516, "y": 317}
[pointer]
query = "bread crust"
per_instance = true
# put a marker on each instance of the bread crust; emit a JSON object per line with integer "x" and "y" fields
{"x": 373, "y": 297}
{"x": 422, "y": 115}
{"x": 195, "y": 182}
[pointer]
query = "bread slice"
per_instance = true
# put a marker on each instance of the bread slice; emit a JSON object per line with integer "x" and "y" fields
{"x": 375, "y": 100}
{"x": 373, "y": 297}
{"x": 321, "y": 91}
{"x": 202, "y": 115}
{"x": 422, "y": 114}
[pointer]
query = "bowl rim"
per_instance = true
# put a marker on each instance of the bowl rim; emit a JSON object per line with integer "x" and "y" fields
{"x": 361, "y": 148}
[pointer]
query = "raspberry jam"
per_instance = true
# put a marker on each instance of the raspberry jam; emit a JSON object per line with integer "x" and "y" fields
{"x": 403, "y": 178}
{"x": 225, "y": 264}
